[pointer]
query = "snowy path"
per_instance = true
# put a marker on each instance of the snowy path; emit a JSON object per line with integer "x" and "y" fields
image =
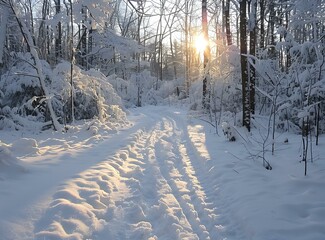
{"x": 148, "y": 181}
{"x": 168, "y": 176}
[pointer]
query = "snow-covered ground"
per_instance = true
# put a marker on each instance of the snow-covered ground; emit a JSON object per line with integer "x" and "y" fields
{"x": 165, "y": 176}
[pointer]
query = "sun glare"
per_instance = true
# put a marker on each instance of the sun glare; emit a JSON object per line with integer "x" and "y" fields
{"x": 200, "y": 43}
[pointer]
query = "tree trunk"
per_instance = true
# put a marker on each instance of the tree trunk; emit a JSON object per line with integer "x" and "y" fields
{"x": 271, "y": 29}
{"x": 173, "y": 55}
{"x": 317, "y": 110}
{"x": 227, "y": 17}
{"x": 252, "y": 52}
{"x": 58, "y": 38}
{"x": 205, "y": 93}
{"x": 187, "y": 80}
{"x": 84, "y": 36}
{"x": 71, "y": 64}
{"x": 243, "y": 61}
{"x": 31, "y": 21}
{"x": 138, "y": 55}
{"x": 262, "y": 30}
{"x": 288, "y": 57}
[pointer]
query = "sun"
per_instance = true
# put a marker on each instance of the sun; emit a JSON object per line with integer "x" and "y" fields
{"x": 200, "y": 43}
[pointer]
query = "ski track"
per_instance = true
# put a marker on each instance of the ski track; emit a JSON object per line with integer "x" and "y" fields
{"x": 156, "y": 185}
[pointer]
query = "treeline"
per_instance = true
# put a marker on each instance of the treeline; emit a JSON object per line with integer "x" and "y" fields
{"x": 265, "y": 57}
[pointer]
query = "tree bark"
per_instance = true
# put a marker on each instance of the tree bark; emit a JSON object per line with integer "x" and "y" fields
{"x": 71, "y": 64}
{"x": 205, "y": 93}
{"x": 252, "y": 52}
{"x": 243, "y": 61}
{"x": 227, "y": 17}
{"x": 187, "y": 79}
{"x": 58, "y": 38}
{"x": 262, "y": 16}
{"x": 271, "y": 30}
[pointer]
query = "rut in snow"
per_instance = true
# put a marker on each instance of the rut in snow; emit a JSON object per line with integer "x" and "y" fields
{"x": 155, "y": 187}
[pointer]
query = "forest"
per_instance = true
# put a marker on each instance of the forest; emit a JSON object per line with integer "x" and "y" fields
{"x": 67, "y": 60}
{"x": 162, "y": 119}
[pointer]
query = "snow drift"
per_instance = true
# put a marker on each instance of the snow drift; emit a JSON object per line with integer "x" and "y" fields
{"x": 9, "y": 164}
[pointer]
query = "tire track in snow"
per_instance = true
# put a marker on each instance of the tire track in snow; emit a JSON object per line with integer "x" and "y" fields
{"x": 153, "y": 187}
{"x": 182, "y": 178}
{"x": 193, "y": 137}
{"x": 152, "y": 208}
{"x": 171, "y": 214}
{"x": 159, "y": 210}
{"x": 169, "y": 192}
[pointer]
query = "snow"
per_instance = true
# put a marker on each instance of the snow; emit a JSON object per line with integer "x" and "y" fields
{"x": 9, "y": 165}
{"x": 167, "y": 175}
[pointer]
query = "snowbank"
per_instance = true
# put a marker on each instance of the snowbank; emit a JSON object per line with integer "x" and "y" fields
{"x": 24, "y": 146}
{"x": 10, "y": 166}
{"x": 23, "y": 105}
{"x": 277, "y": 204}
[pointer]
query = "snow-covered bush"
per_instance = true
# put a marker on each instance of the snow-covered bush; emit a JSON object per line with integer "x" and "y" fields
{"x": 143, "y": 89}
{"x": 167, "y": 91}
{"x": 22, "y": 100}
{"x": 172, "y": 88}
{"x": 306, "y": 90}
{"x": 151, "y": 97}
{"x": 228, "y": 131}
{"x": 133, "y": 90}
{"x": 93, "y": 94}
{"x": 21, "y": 88}
{"x": 225, "y": 84}
{"x": 195, "y": 95}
